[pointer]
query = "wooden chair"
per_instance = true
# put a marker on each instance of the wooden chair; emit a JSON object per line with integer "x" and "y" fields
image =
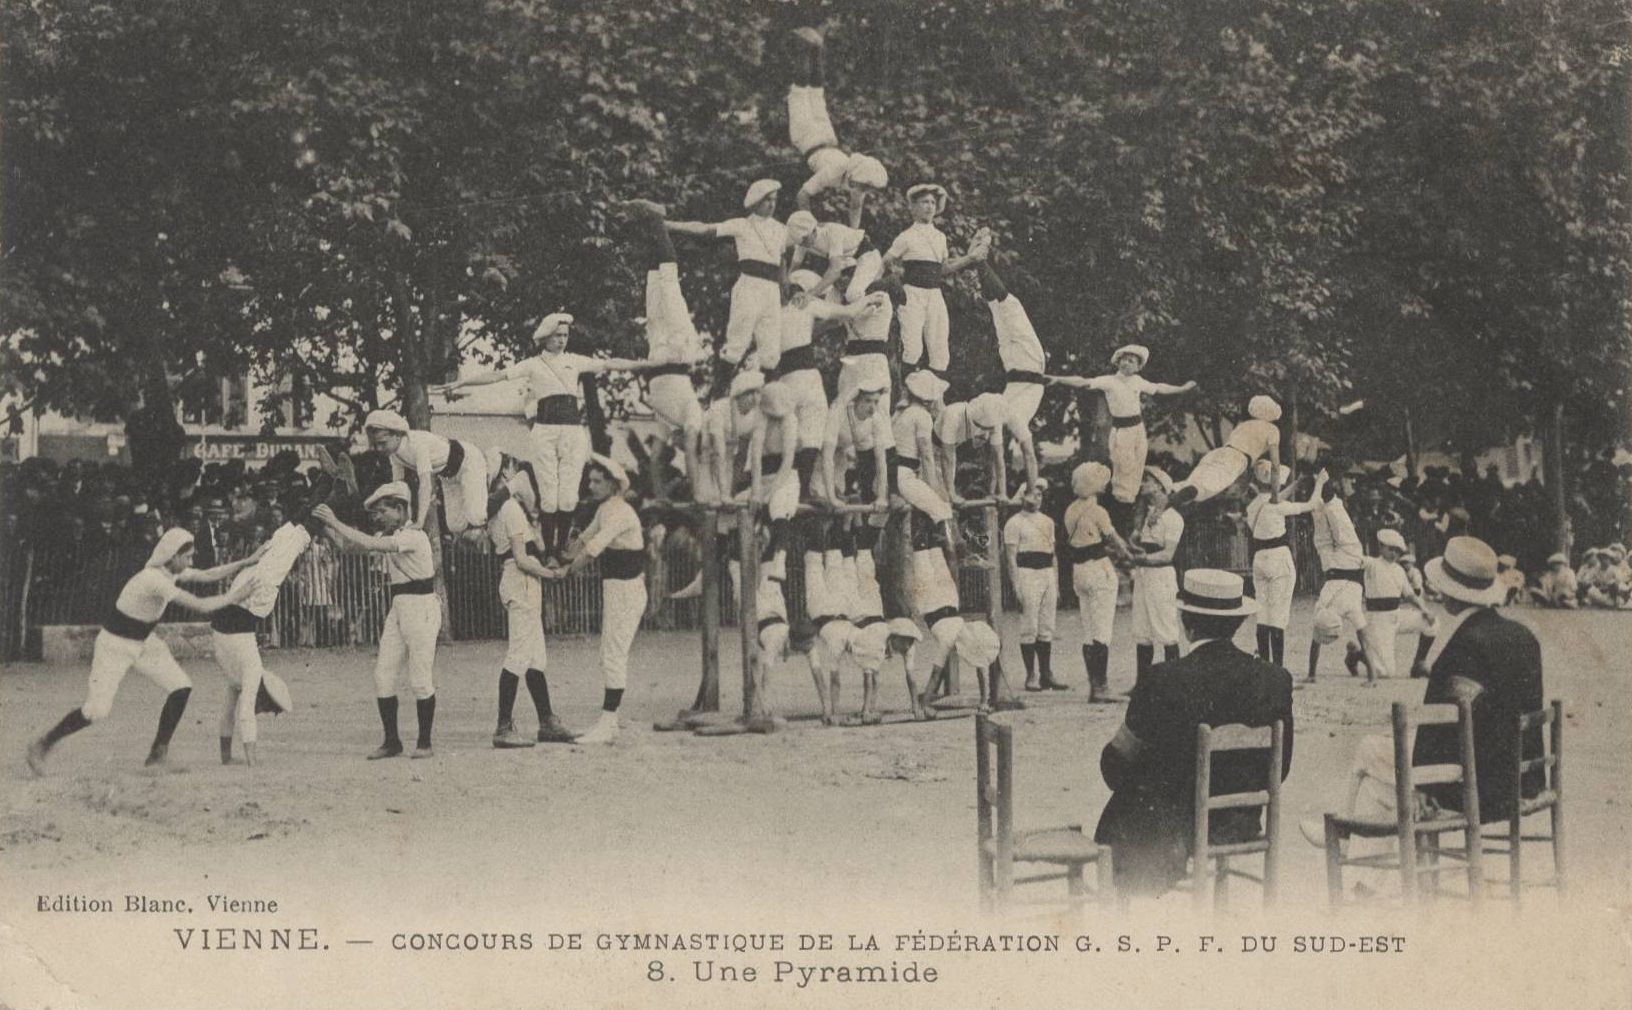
{"x": 1210, "y": 868}
{"x": 1419, "y": 851}
{"x": 1069, "y": 850}
{"x": 1550, "y": 799}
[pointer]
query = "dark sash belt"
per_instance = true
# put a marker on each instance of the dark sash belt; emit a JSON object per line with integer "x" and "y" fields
{"x": 1270, "y": 544}
{"x": 868, "y": 621}
{"x": 1021, "y": 375}
{"x": 562, "y": 408}
{"x": 770, "y": 463}
{"x": 1148, "y": 547}
{"x": 413, "y": 587}
{"x": 125, "y": 626}
{"x": 922, "y": 273}
{"x": 233, "y": 620}
{"x": 623, "y": 563}
{"x": 934, "y": 617}
{"x": 1034, "y": 559}
{"x": 1344, "y": 575}
{"x": 533, "y": 549}
{"x": 867, "y": 347}
{"x": 761, "y": 269}
{"x": 910, "y": 462}
{"x": 795, "y": 359}
{"x": 1091, "y": 552}
{"x": 812, "y": 149}
{"x": 1383, "y": 604}
{"x": 1131, "y": 421}
{"x": 766, "y": 622}
{"x": 456, "y": 458}
{"x": 672, "y": 368}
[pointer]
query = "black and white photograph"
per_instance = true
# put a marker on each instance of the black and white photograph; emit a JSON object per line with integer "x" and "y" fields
{"x": 811, "y": 503}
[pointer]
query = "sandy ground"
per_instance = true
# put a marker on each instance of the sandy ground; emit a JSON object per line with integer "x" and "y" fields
{"x": 847, "y": 830}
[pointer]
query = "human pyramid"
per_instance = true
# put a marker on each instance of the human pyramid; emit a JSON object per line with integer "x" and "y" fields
{"x": 823, "y": 474}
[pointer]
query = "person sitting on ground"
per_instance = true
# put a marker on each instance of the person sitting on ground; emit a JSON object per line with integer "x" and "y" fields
{"x": 1511, "y": 578}
{"x": 1557, "y": 586}
{"x": 1149, "y": 763}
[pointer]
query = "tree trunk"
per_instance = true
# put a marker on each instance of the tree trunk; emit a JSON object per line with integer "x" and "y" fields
{"x": 1093, "y": 426}
{"x": 1410, "y": 447}
{"x": 1553, "y": 475}
{"x": 416, "y": 407}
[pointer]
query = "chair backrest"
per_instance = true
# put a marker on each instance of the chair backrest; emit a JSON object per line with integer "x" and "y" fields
{"x": 1551, "y": 761}
{"x": 1408, "y": 778}
{"x": 1215, "y": 740}
{"x": 994, "y": 783}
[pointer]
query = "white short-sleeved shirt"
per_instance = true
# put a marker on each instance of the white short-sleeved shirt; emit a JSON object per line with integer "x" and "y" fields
{"x": 1017, "y": 344}
{"x": 1087, "y": 523}
{"x": 616, "y": 525}
{"x": 549, "y": 375}
{"x": 146, "y": 595}
{"x": 833, "y": 238}
{"x": 412, "y": 560}
{"x": 421, "y": 452}
{"x": 919, "y": 242}
{"x": 1336, "y": 541}
{"x": 286, "y": 545}
{"x": 1162, "y": 532}
{"x": 1029, "y": 531}
{"x": 1122, "y": 392}
{"x": 757, "y": 238}
{"x": 510, "y": 521}
{"x": 1385, "y": 580}
{"x": 954, "y": 428}
{"x": 872, "y": 326}
{"x": 1254, "y": 437}
{"x": 1266, "y": 519}
{"x": 912, "y": 423}
{"x": 847, "y": 432}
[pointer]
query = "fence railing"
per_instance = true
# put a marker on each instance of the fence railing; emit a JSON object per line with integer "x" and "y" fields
{"x": 334, "y": 597}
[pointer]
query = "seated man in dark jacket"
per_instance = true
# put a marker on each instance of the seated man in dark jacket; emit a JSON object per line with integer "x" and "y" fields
{"x": 1479, "y": 655}
{"x": 1150, "y": 764}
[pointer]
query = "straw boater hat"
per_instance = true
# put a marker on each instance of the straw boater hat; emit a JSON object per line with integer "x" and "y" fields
{"x": 1466, "y": 572}
{"x": 386, "y": 420}
{"x": 394, "y": 490}
{"x": 615, "y": 471}
{"x": 800, "y": 225}
{"x": 173, "y": 542}
{"x": 1139, "y": 351}
{"x": 929, "y": 187}
{"x": 550, "y": 323}
{"x": 747, "y": 382}
{"x": 759, "y": 190}
{"x": 866, "y": 170}
{"x": 1089, "y": 479}
{"x": 1391, "y": 538}
{"x": 1263, "y": 408}
{"x": 1161, "y": 478}
{"x": 926, "y": 385}
{"x": 1217, "y": 592}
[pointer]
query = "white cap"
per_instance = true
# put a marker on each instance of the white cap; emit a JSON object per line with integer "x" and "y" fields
{"x": 747, "y": 382}
{"x": 1217, "y": 592}
{"x": 1160, "y": 476}
{"x": 801, "y": 223}
{"x": 926, "y": 385}
{"x": 1558, "y": 559}
{"x": 873, "y": 382}
{"x": 1139, "y": 351}
{"x": 1263, "y": 408}
{"x": 395, "y": 489}
{"x": 550, "y": 323}
{"x": 805, "y": 280}
{"x": 173, "y": 542}
{"x": 1391, "y": 538}
{"x": 929, "y": 187}
{"x": 1089, "y": 479}
{"x": 1260, "y": 472}
{"x": 866, "y": 170}
{"x": 387, "y": 420}
{"x": 612, "y": 467}
{"x": 988, "y": 410}
{"x": 759, "y": 190}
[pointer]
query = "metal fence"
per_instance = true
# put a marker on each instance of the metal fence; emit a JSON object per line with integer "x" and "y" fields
{"x": 335, "y": 597}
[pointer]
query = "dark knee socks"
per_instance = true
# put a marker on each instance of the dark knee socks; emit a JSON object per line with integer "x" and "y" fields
{"x": 1028, "y": 656}
{"x": 1045, "y": 656}
{"x": 1263, "y": 642}
{"x": 508, "y": 684}
{"x": 388, "y": 720}
{"x": 1314, "y": 658}
{"x": 1170, "y": 652}
{"x": 1143, "y": 657}
{"x": 612, "y": 699}
{"x": 426, "y": 709}
{"x": 991, "y": 286}
{"x": 539, "y": 688}
{"x": 170, "y": 716}
{"x": 69, "y": 724}
{"x": 1424, "y": 643}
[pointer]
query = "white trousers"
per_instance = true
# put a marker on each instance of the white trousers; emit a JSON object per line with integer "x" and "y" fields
{"x": 1096, "y": 585}
{"x": 114, "y": 656}
{"x": 669, "y": 327}
{"x": 674, "y": 400}
{"x": 1214, "y": 472}
{"x": 239, "y": 659}
{"x": 1341, "y": 600}
{"x": 921, "y": 496}
{"x": 408, "y": 644}
{"x": 809, "y": 405}
{"x": 1023, "y": 399}
{"x": 755, "y": 319}
{"x": 810, "y": 126}
{"x": 1127, "y": 447}
{"x": 1382, "y": 629}
{"x": 523, "y": 599}
{"x": 623, "y": 604}
{"x": 853, "y": 368}
{"x": 559, "y": 454}
{"x": 925, "y": 326}
{"x": 1039, "y": 593}
{"x": 1156, "y": 606}
{"x": 1273, "y": 578}
{"x": 464, "y": 495}
{"x": 869, "y": 268}
{"x": 284, "y": 548}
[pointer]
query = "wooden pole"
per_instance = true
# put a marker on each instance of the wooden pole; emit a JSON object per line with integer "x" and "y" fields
{"x": 708, "y": 691}
{"x": 748, "y": 612}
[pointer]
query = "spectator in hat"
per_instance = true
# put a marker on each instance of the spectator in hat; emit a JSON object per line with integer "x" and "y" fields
{"x": 1558, "y": 586}
{"x": 1150, "y": 763}
{"x": 1511, "y": 578}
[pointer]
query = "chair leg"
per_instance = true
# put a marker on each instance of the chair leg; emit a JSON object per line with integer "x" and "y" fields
{"x": 1076, "y": 882}
{"x": 1106, "y": 876}
{"x": 1334, "y": 864}
{"x": 1221, "y": 885}
{"x": 1201, "y": 879}
{"x": 1558, "y": 844}
{"x": 1429, "y": 853}
{"x": 1515, "y": 867}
